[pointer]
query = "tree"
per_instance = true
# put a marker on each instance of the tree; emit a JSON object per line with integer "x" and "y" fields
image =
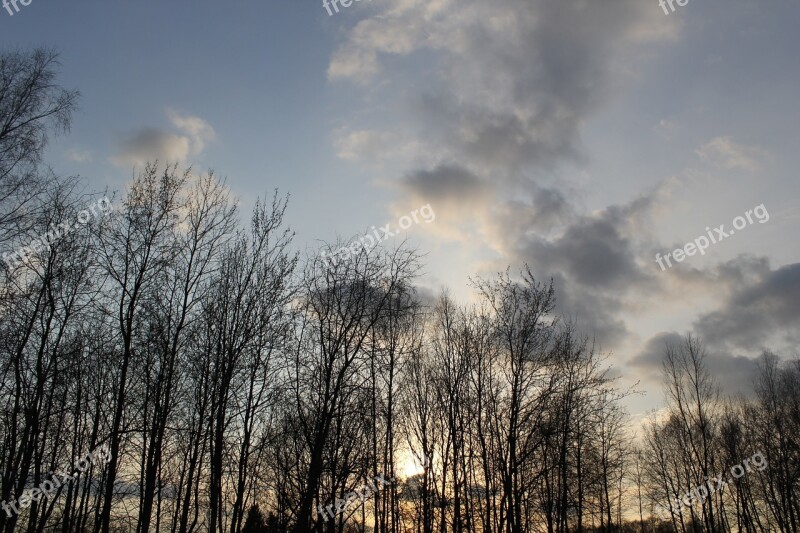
{"x": 340, "y": 306}
{"x": 32, "y": 104}
{"x": 255, "y": 521}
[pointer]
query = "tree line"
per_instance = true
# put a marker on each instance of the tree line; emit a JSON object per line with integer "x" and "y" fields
{"x": 239, "y": 385}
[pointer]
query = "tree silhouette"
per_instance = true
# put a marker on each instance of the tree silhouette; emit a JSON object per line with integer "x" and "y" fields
{"x": 255, "y": 521}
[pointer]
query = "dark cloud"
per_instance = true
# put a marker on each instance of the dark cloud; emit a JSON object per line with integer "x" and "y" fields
{"x": 742, "y": 271}
{"x": 592, "y": 252}
{"x": 733, "y": 373}
{"x": 426, "y": 296}
{"x": 542, "y": 211}
{"x": 149, "y": 144}
{"x": 592, "y": 267}
{"x": 519, "y": 82}
{"x": 594, "y": 263}
{"x": 443, "y": 183}
{"x": 551, "y": 208}
{"x": 596, "y": 314}
{"x": 516, "y": 79}
{"x": 758, "y": 314}
{"x": 761, "y": 312}
{"x": 496, "y": 140}
{"x": 652, "y": 354}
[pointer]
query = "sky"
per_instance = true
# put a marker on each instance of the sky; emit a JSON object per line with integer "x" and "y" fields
{"x": 580, "y": 137}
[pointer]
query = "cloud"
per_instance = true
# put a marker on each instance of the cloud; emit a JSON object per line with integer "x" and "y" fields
{"x": 542, "y": 210}
{"x": 355, "y": 145}
{"x": 514, "y": 82}
{"x": 649, "y": 359}
{"x": 460, "y": 197}
{"x": 593, "y": 251}
{"x": 597, "y": 314}
{"x": 371, "y": 145}
{"x": 594, "y": 259}
{"x": 665, "y": 129}
{"x": 198, "y": 130}
{"x": 758, "y": 309}
{"x": 759, "y": 314}
{"x": 516, "y": 78}
{"x": 498, "y": 120}
{"x": 149, "y": 144}
{"x": 445, "y": 182}
{"x": 733, "y": 373}
{"x": 353, "y": 64}
{"x": 79, "y": 156}
{"x": 723, "y": 152}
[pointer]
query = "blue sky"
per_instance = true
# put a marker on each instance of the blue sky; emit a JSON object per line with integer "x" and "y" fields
{"x": 579, "y": 136}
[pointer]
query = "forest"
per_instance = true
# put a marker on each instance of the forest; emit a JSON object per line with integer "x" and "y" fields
{"x": 195, "y": 369}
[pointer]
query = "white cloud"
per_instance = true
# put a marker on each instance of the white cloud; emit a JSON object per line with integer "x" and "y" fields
{"x": 356, "y": 145}
{"x": 149, "y": 144}
{"x": 79, "y": 156}
{"x": 198, "y": 130}
{"x": 352, "y": 63}
{"x": 372, "y": 145}
{"x": 723, "y": 152}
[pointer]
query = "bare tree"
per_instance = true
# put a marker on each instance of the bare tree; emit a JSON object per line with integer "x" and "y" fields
{"x": 340, "y": 306}
{"x": 136, "y": 250}
{"x": 32, "y": 104}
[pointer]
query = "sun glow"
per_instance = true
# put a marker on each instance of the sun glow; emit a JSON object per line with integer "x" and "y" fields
{"x": 411, "y": 466}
